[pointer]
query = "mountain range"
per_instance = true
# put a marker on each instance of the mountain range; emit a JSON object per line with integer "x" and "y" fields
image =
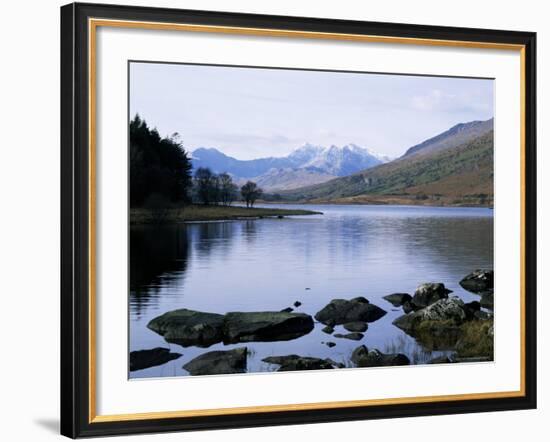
{"x": 307, "y": 165}
{"x": 454, "y": 167}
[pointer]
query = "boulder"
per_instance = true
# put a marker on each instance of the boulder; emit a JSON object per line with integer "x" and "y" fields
{"x": 398, "y": 299}
{"x": 428, "y": 293}
{"x": 328, "y": 330}
{"x": 218, "y": 362}
{"x": 265, "y": 326}
{"x": 487, "y": 300}
{"x": 295, "y": 362}
{"x": 408, "y": 307}
{"x": 436, "y": 327}
{"x": 357, "y": 326}
{"x": 362, "y": 357}
{"x": 142, "y": 359}
{"x": 353, "y": 336}
{"x": 471, "y": 309}
{"x": 341, "y": 311}
{"x": 189, "y": 327}
{"x": 478, "y": 281}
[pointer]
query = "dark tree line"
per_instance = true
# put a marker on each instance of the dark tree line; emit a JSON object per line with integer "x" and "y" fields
{"x": 161, "y": 174}
{"x": 211, "y": 188}
{"x": 160, "y": 168}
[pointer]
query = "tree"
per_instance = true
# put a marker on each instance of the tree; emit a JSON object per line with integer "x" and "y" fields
{"x": 158, "y": 166}
{"x": 250, "y": 193}
{"x": 203, "y": 185}
{"x": 228, "y": 190}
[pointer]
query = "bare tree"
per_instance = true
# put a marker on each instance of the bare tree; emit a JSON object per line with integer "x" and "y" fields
{"x": 228, "y": 190}
{"x": 250, "y": 193}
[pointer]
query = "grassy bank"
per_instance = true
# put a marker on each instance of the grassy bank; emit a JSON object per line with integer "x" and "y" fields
{"x": 412, "y": 200}
{"x": 196, "y": 213}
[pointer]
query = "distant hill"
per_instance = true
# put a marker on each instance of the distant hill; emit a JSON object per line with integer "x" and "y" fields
{"x": 455, "y": 167}
{"x": 304, "y": 166}
{"x": 456, "y": 135}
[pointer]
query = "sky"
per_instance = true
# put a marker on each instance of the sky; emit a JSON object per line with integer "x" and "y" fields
{"x": 251, "y": 113}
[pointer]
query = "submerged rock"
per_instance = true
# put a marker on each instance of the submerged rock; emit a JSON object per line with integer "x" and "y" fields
{"x": 353, "y": 336}
{"x": 297, "y": 304}
{"x": 341, "y": 311}
{"x": 142, "y": 359}
{"x": 287, "y": 310}
{"x": 398, "y": 299}
{"x": 357, "y": 326}
{"x": 189, "y": 327}
{"x": 295, "y": 362}
{"x": 218, "y": 362}
{"x": 478, "y": 281}
{"x": 265, "y": 326}
{"x": 440, "y": 360}
{"x": 428, "y": 293}
{"x": 330, "y": 344}
{"x": 362, "y": 357}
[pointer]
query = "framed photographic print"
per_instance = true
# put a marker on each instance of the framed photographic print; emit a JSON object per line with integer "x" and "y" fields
{"x": 274, "y": 220}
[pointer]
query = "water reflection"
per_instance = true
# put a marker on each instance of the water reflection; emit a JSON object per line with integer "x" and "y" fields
{"x": 266, "y": 264}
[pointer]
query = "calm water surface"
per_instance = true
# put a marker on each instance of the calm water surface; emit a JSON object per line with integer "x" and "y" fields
{"x": 268, "y": 264}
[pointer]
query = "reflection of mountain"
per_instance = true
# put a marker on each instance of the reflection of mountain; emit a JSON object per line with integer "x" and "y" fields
{"x": 457, "y": 163}
{"x": 306, "y": 165}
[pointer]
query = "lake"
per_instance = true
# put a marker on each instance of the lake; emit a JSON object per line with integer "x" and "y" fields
{"x": 268, "y": 264}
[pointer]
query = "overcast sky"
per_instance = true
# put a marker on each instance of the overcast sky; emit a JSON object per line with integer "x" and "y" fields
{"x": 250, "y": 113}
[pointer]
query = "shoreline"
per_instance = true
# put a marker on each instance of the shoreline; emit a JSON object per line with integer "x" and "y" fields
{"x": 212, "y": 213}
{"x": 382, "y": 202}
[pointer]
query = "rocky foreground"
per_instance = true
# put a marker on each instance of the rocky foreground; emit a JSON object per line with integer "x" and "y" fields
{"x": 436, "y": 320}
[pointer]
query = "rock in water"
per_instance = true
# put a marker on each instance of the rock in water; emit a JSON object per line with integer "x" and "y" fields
{"x": 478, "y": 281}
{"x": 398, "y": 299}
{"x": 265, "y": 326}
{"x": 362, "y": 357}
{"x": 218, "y": 362}
{"x": 428, "y": 293}
{"x": 440, "y": 360}
{"x": 341, "y": 311}
{"x": 287, "y": 310}
{"x": 357, "y": 326}
{"x": 487, "y": 300}
{"x": 436, "y": 327}
{"x": 352, "y": 336}
{"x": 142, "y": 359}
{"x": 297, "y": 304}
{"x": 328, "y": 330}
{"x": 189, "y": 327}
{"x": 295, "y": 362}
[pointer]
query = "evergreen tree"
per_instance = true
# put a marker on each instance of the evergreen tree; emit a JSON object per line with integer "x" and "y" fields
{"x": 158, "y": 166}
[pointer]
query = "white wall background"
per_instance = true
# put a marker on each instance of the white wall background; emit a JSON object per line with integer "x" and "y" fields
{"x": 29, "y": 221}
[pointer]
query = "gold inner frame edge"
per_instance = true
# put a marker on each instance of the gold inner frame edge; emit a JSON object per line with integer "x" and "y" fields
{"x": 93, "y": 24}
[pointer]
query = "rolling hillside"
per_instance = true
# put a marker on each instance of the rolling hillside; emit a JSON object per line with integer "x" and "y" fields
{"x": 447, "y": 171}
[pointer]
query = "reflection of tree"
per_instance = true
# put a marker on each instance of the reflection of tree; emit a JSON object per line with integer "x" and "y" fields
{"x": 210, "y": 238}
{"x": 157, "y": 256}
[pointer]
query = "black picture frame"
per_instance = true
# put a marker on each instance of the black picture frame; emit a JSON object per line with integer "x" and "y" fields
{"x": 75, "y": 220}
